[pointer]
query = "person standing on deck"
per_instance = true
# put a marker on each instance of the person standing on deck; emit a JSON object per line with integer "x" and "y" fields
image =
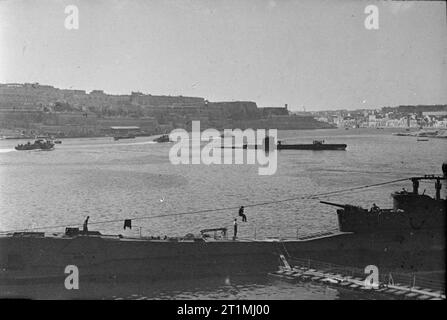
{"x": 235, "y": 229}
{"x": 415, "y": 185}
{"x": 438, "y": 186}
{"x": 241, "y": 214}
{"x": 85, "y": 226}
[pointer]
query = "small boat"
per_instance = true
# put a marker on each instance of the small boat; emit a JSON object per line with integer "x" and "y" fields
{"x": 422, "y": 139}
{"x": 57, "y": 141}
{"x": 38, "y": 144}
{"x": 127, "y": 136}
{"x": 162, "y": 139}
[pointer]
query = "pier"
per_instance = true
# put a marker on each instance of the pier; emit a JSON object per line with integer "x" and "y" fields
{"x": 391, "y": 284}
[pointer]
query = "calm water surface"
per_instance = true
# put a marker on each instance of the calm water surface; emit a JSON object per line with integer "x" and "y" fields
{"x": 107, "y": 180}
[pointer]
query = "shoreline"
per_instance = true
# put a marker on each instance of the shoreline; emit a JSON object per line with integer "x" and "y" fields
{"x": 138, "y": 135}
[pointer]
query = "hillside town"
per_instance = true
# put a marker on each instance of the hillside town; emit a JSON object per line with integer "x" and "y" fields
{"x": 32, "y": 109}
{"x": 419, "y": 116}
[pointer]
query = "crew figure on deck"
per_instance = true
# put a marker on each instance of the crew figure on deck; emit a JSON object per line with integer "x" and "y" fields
{"x": 241, "y": 214}
{"x": 438, "y": 186}
{"x": 415, "y": 185}
{"x": 85, "y": 226}
{"x": 235, "y": 229}
{"x": 375, "y": 208}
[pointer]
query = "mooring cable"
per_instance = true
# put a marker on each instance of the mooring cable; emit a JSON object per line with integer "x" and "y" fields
{"x": 308, "y": 197}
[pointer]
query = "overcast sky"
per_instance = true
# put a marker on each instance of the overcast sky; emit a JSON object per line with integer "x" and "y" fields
{"x": 316, "y": 54}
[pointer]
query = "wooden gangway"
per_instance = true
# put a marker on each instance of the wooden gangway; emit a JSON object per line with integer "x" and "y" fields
{"x": 392, "y": 284}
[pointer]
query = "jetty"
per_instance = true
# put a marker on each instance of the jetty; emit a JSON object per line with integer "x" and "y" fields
{"x": 390, "y": 284}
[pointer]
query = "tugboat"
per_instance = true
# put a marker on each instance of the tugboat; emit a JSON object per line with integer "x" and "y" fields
{"x": 38, "y": 144}
{"x": 163, "y": 138}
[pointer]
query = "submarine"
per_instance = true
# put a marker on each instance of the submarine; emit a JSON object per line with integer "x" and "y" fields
{"x": 410, "y": 237}
{"x": 316, "y": 145}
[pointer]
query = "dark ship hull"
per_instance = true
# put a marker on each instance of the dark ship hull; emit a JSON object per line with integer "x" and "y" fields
{"x": 162, "y": 139}
{"x": 310, "y": 146}
{"x": 38, "y": 258}
{"x": 27, "y": 148}
{"x": 388, "y": 251}
{"x": 45, "y": 258}
{"x": 37, "y": 145}
{"x": 317, "y": 147}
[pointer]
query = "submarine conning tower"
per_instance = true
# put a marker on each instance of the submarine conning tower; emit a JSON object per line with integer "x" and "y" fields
{"x": 414, "y": 201}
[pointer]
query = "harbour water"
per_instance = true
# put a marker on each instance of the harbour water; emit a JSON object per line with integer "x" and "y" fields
{"x": 107, "y": 180}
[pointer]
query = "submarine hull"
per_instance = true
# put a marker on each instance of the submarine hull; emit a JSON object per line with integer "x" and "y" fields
{"x": 311, "y": 146}
{"x": 403, "y": 252}
{"x": 41, "y": 259}
{"x": 30, "y": 258}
